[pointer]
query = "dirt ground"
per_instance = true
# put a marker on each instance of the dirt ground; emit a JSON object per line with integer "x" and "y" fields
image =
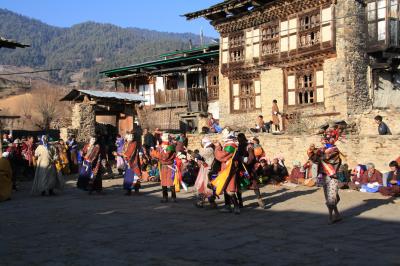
{"x": 74, "y": 228}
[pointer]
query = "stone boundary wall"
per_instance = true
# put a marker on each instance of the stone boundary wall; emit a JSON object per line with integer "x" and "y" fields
{"x": 379, "y": 150}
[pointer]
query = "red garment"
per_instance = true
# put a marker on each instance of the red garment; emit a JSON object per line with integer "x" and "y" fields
{"x": 131, "y": 155}
{"x": 92, "y": 155}
{"x": 295, "y": 175}
{"x": 166, "y": 160}
{"x": 28, "y": 152}
{"x": 223, "y": 157}
{"x": 376, "y": 177}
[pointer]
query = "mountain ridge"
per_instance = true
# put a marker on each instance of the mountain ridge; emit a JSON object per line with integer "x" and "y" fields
{"x": 88, "y": 46}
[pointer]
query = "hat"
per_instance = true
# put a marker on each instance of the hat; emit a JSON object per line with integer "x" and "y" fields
{"x": 206, "y": 142}
{"x": 165, "y": 137}
{"x": 170, "y": 148}
{"x": 17, "y": 141}
{"x": 181, "y": 155}
{"x": 5, "y": 154}
{"x": 296, "y": 163}
{"x": 229, "y": 149}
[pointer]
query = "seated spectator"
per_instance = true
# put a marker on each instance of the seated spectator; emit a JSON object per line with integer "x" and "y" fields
{"x": 277, "y": 171}
{"x": 154, "y": 172}
{"x": 370, "y": 179}
{"x": 297, "y": 174}
{"x": 191, "y": 169}
{"x": 258, "y": 150}
{"x": 356, "y": 176}
{"x": 262, "y": 170}
{"x": 213, "y": 124}
{"x": 393, "y": 181}
{"x": 260, "y": 125}
{"x": 343, "y": 176}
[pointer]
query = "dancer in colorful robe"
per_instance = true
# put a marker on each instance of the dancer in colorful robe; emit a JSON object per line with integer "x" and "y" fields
{"x": 246, "y": 161}
{"x": 90, "y": 174}
{"x": 132, "y": 171}
{"x": 202, "y": 184}
{"x": 166, "y": 156}
{"x": 329, "y": 165}
{"x": 120, "y": 142}
{"x": 46, "y": 177}
{"x": 225, "y": 155}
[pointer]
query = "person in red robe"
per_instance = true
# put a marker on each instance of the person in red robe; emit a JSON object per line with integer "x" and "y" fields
{"x": 90, "y": 176}
{"x": 371, "y": 175}
{"x": 166, "y": 156}
{"x": 132, "y": 161}
{"x": 393, "y": 182}
{"x": 223, "y": 155}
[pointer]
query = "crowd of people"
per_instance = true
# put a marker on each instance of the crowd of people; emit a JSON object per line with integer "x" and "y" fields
{"x": 223, "y": 168}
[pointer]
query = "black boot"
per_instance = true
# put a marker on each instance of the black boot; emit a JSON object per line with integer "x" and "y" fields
{"x": 236, "y": 207}
{"x": 240, "y": 199}
{"x": 164, "y": 194}
{"x": 173, "y": 194}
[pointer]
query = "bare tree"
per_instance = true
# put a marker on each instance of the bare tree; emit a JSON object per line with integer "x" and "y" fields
{"x": 49, "y": 108}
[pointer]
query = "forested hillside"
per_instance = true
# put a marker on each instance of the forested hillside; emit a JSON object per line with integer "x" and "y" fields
{"x": 88, "y": 47}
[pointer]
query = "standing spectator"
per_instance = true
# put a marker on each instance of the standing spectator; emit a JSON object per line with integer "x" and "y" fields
{"x": 72, "y": 154}
{"x": 275, "y": 115}
{"x": 157, "y": 136}
{"x": 149, "y": 140}
{"x": 383, "y": 129}
{"x": 28, "y": 152}
{"x": 5, "y": 178}
{"x": 15, "y": 157}
{"x": 46, "y": 178}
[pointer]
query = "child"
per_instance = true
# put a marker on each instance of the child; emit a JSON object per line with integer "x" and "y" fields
{"x": 154, "y": 172}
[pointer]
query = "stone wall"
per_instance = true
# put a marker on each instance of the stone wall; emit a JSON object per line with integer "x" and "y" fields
{"x": 352, "y": 59}
{"x": 83, "y": 121}
{"x": 379, "y": 150}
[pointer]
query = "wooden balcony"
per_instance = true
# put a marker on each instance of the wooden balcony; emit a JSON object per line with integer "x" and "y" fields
{"x": 194, "y": 98}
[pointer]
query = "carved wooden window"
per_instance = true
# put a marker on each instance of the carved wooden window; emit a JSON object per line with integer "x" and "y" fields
{"x": 246, "y": 96}
{"x": 213, "y": 86}
{"x": 310, "y": 31}
{"x": 236, "y": 55}
{"x": 376, "y": 14}
{"x": 305, "y": 87}
{"x": 270, "y": 47}
{"x": 236, "y": 47}
{"x": 270, "y": 32}
{"x": 310, "y": 21}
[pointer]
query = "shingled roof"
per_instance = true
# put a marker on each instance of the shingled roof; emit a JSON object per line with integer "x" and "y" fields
{"x": 11, "y": 43}
{"x": 226, "y": 8}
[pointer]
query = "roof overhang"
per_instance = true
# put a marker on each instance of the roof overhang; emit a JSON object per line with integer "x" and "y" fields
{"x": 11, "y": 43}
{"x": 227, "y": 9}
{"x": 106, "y": 96}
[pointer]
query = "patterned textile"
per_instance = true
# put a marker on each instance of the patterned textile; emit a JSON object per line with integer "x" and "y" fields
{"x": 331, "y": 191}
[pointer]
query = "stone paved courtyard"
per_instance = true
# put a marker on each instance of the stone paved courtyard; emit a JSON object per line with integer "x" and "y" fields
{"x": 77, "y": 229}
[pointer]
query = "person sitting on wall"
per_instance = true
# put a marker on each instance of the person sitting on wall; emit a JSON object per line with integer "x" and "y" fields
{"x": 213, "y": 124}
{"x": 260, "y": 125}
{"x": 383, "y": 129}
{"x": 393, "y": 181}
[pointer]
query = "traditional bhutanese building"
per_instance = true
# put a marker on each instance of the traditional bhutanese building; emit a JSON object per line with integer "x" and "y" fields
{"x": 320, "y": 59}
{"x": 179, "y": 87}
